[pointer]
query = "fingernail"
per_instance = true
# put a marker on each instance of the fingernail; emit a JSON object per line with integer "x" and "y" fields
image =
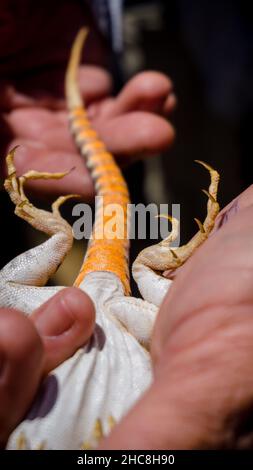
{"x": 56, "y": 316}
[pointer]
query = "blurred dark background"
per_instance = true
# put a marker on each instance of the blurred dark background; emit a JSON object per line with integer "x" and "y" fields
{"x": 207, "y": 49}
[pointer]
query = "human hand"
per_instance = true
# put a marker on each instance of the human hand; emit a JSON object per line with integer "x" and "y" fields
{"x": 31, "y": 347}
{"x": 202, "y": 349}
{"x": 132, "y": 125}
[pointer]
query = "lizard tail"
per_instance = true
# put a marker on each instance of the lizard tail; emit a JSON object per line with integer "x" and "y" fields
{"x": 72, "y": 91}
{"x": 109, "y": 244}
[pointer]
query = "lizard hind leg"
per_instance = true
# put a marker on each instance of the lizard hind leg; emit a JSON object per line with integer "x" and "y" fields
{"x": 153, "y": 261}
{"x": 23, "y": 279}
{"x": 45, "y": 221}
{"x": 135, "y": 315}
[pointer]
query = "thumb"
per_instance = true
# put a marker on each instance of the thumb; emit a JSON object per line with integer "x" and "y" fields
{"x": 65, "y": 323}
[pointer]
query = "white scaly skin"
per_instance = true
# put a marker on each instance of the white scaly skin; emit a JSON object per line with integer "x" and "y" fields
{"x": 99, "y": 384}
{"x": 101, "y": 381}
{"x": 92, "y": 390}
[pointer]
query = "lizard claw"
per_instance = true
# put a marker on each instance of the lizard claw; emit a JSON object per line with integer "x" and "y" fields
{"x": 58, "y": 203}
{"x": 38, "y": 218}
{"x": 209, "y": 195}
{"x": 11, "y": 170}
{"x": 200, "y": 225}
{"x": 205, "y": 165}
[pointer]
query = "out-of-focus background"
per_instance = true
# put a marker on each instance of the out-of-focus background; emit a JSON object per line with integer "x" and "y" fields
{"x": 206, "y": 47}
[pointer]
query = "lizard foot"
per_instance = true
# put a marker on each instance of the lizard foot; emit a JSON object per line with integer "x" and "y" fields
{"x": 181, "y": 254}
{"x": 45, "y": 221}
{"x": 162, "y": 257}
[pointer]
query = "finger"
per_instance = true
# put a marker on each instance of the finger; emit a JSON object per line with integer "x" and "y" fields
{"x": 136, "y": 134}
{"x": 36, "y": 156}
{"x": 170, "y": 104}
{"x": 149, "y": 133}
{"x": 95, "y": 83}
{"x": 41, "y": 125}
{"x": 12, "y": 99}
{"x": 21, "y": 362}
{"x": 65, "y": 323}
{"x": 147, "y": 91}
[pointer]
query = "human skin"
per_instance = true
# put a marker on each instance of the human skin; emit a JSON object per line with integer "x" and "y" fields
{"x": 202, "y": 352}
{"x": 32, "y": 109}
{"x": 45, "y": 144}
{"x": 202, "y": 349}
{"x": 202, "y": 343}
{"x": 30, "y": 347}
{"x": 39, "y": 126}
{"x": 33, "y": 115}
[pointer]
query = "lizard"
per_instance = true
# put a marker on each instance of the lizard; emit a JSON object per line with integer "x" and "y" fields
{"x": 80, "y": 401}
